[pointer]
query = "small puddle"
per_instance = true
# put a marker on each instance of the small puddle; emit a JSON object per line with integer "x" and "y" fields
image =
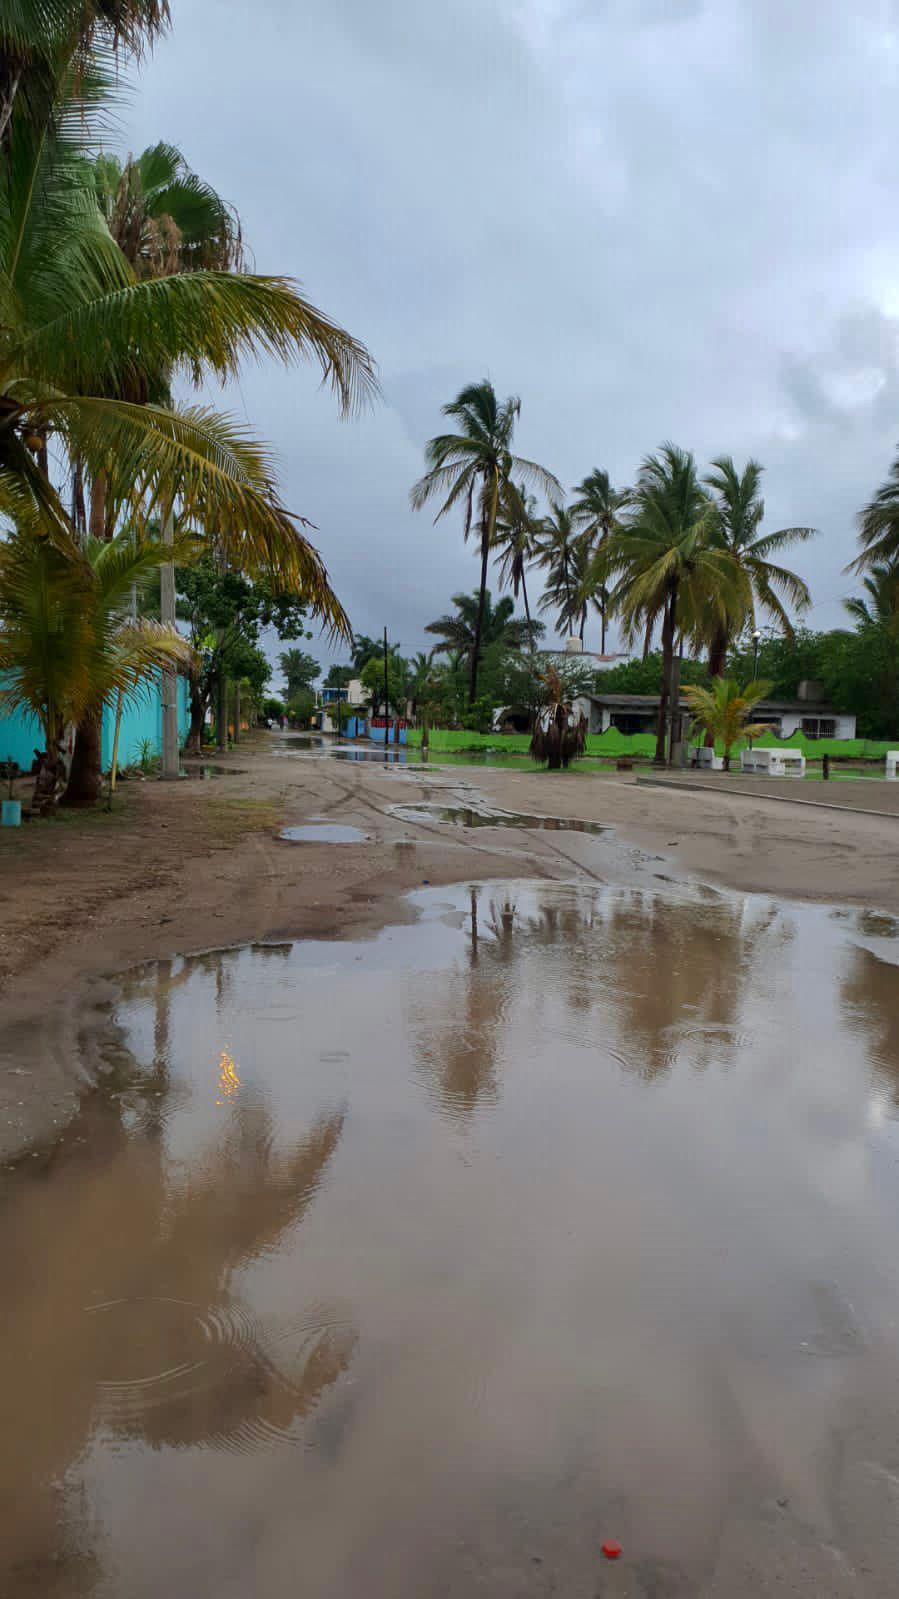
{"x": 290, "y": 743}
{"x": 392, "y": 757}
{"x": 467, "y": 816}
{"x": 205, "y": 772}
{"x": 423, "y": 1262}
{"x": 322, "y": 833}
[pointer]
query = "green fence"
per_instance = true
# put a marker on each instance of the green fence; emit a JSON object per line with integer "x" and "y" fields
{"x": 613, "y": 744}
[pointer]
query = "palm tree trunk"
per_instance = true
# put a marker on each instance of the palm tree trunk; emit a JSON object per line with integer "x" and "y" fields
{"x": 85, "y": 773}
{"x": 193, "y": 744}
{"x": 527, "y": 608}
{"x": 718, "y": 652}
{"x": 486, "y": 545}
{"x": 603, "y": 601}
{"x": 659, "y": 758}
{"x": 97, "y": 524}
{"x": 674, "y": 699}
{"x": 79, "y": 510}
{"x": 717, "y": 662}
{"x": 50, "y": 769}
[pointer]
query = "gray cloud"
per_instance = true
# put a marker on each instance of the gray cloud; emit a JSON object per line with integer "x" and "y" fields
{"x": 649, "y": 220}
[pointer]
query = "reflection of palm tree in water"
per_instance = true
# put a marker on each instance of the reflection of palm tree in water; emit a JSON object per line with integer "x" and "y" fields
{"x": 665, "y": 976}
{"x": 653, "y": 977}
{"x": 456, "y": 1050}
{"x": 123, "y": 1316}
{"x": 869, "y": 993}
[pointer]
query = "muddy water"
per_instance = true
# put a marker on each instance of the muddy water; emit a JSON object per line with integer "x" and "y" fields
{"x": 421, "y": 1265}
{"x": 471, "y": 816}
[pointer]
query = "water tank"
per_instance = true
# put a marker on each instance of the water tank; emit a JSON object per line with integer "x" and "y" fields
{"x": 574, "y": 646}
{"x": 811, "y": 691}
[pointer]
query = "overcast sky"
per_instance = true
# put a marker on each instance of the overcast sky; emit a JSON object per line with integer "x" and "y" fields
{"x": 650, "y": 219}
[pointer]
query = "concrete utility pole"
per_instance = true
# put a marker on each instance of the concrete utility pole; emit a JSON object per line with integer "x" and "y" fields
{"x": 221, "y": 713}
{"x": 170, "y": 758}
{"x": 386, "y": 702}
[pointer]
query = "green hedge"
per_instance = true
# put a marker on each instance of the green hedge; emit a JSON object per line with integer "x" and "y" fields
{"x": 850, "y": 749}
{"x": 613, "y": 743}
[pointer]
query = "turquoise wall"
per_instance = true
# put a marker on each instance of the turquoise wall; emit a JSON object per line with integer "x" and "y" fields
{"x": 142, "y": 719}
{"x": 20, "y": 734}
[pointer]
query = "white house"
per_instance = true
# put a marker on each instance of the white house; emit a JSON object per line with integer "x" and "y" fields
{"x": 638, "y": 713}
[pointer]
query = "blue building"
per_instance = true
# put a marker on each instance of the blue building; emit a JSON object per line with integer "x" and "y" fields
{"x": 21, "y": 735}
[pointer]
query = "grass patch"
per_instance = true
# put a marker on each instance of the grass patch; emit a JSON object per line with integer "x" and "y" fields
{"x": 233, "y": 817}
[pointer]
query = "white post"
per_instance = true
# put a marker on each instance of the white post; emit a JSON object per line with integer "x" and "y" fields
{"x": 170, "y": 759}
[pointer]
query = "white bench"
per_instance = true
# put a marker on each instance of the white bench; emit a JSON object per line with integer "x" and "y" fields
{"x": 773, "y": 763}
{"x": 892, "y": 764}
{"x": 703, "y": 756}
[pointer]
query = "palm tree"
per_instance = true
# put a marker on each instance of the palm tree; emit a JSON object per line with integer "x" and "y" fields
{"x": 363, "y": 650}
{"x": 722, "y": 712}
{"x": 879, "y": 526}
{"x": 471, "y": 468}
{"x": 478, "y": 626}
{"x": 598, "y": 511}
{"x": 516, "y": 531}
{"x": 881, "y": 607}
{"x": 666, "y": 567}
{"x": 36, "y": 35}
{"x": 420, "y": 678}
{"x": 166, "y": 221}
{"x": 71, "y": 318}
{"x": 877, "y": 614}
{"x": 163, "y": 217}
{"x": 560, "y": 550}
{"x": 740, "y": 511}
{"x": 560, "y": 730}
{"x": 67, "y": 643}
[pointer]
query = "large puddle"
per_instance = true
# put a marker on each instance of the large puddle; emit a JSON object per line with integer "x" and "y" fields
{"x": 422, "y": 1265}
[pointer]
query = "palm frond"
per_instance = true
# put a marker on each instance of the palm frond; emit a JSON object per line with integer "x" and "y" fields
{"x": 220, "y": 475}
{"x": 207, "y": 321}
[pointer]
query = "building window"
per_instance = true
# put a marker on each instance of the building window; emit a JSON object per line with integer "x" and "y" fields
{"x": 819, "y": 727}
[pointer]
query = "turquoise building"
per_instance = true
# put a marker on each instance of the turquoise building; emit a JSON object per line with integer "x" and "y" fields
{"x": 20, "y": 734}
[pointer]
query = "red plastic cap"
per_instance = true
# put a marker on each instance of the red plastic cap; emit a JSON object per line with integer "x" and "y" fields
{"x": 612, "y": 1550}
